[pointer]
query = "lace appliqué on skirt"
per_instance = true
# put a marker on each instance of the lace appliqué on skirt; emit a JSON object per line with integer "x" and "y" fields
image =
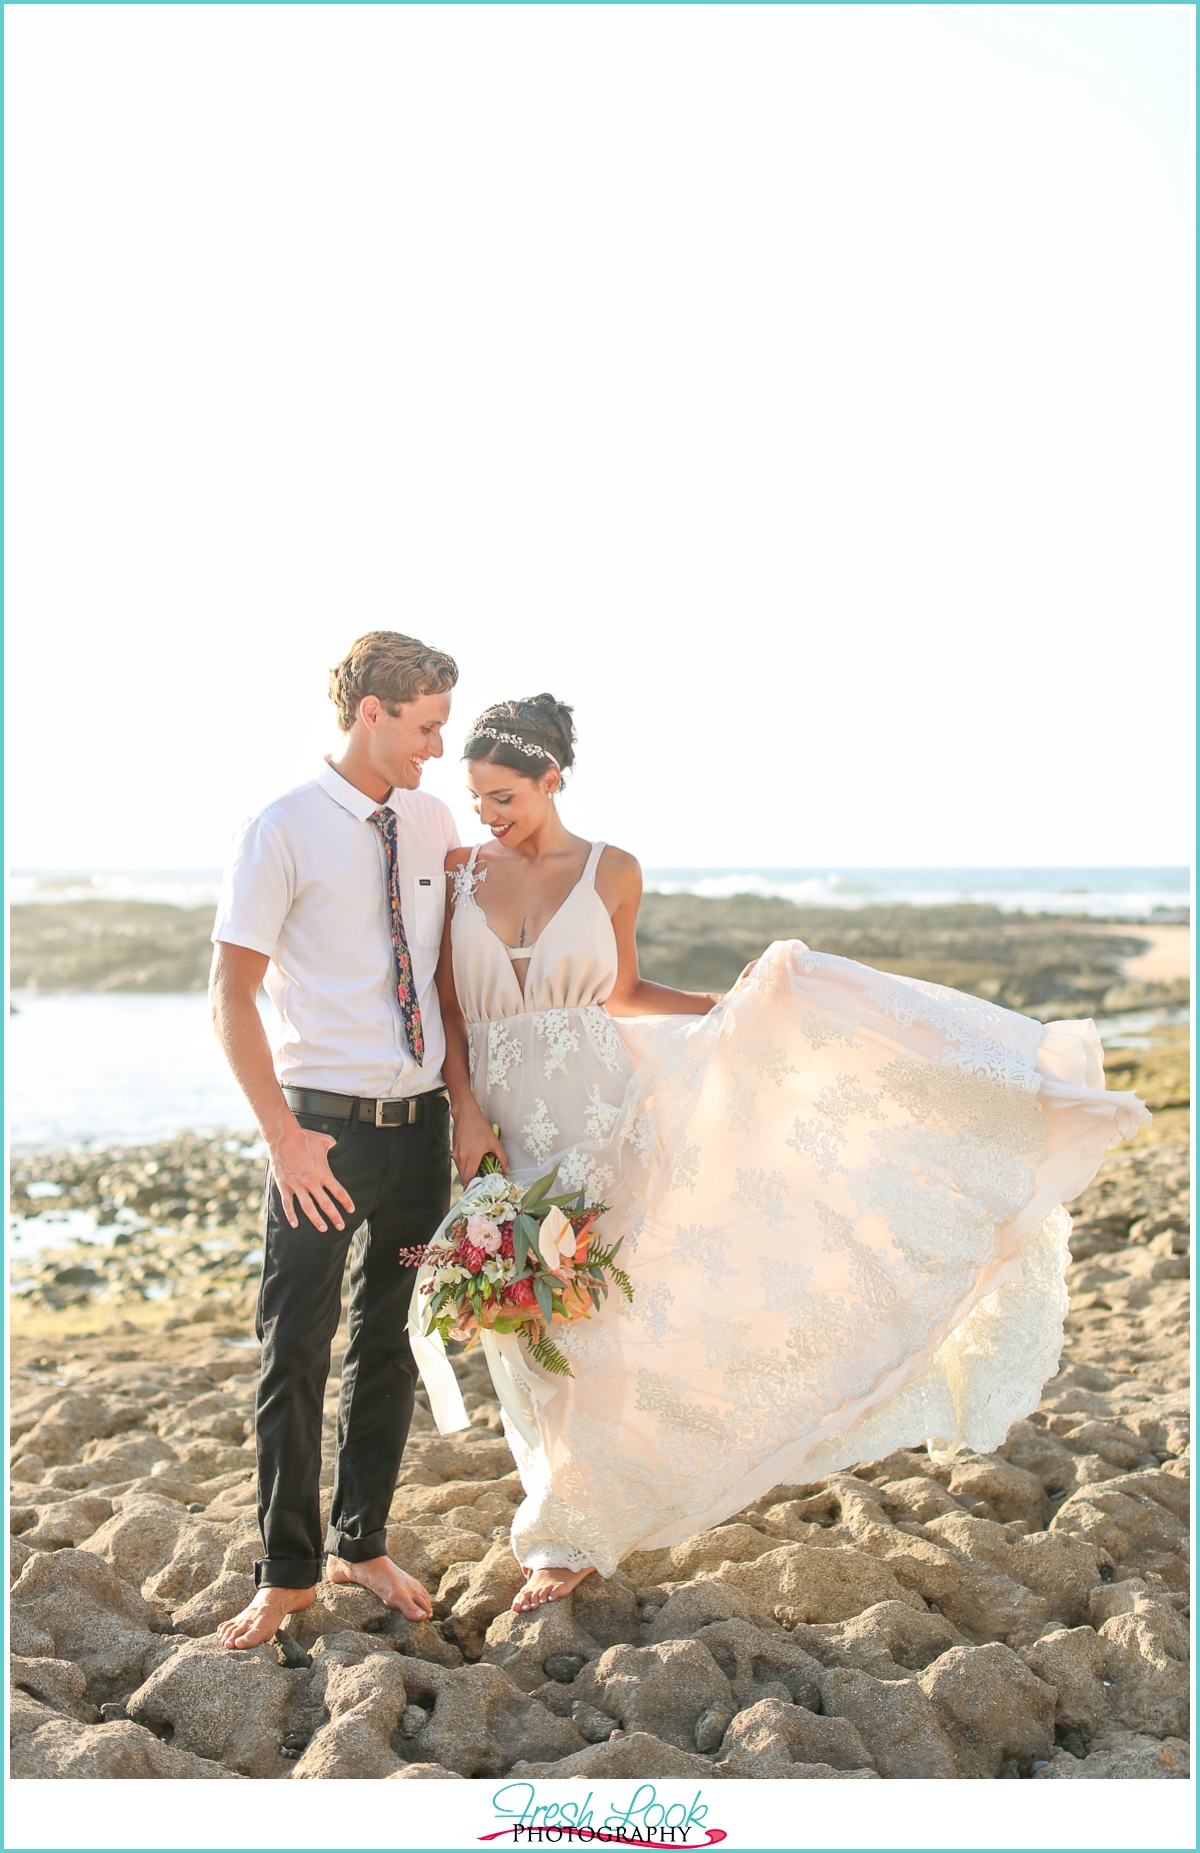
{"x": 538, "y": 1134}
{"x": 600, "y": 1117}
{"x": 560, "y": 1036}
{"x": 581, "y": 1170}
{"x": 608, "y": 1044}
{"x": 504, "y": 1052}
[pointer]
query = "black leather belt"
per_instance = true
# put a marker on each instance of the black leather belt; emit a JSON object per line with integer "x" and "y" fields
{"x": 408, "y": 1112}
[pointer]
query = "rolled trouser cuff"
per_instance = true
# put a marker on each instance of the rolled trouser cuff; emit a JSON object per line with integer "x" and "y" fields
{"x": 287, "y": 1572}
{"x": 356, "y": 1550}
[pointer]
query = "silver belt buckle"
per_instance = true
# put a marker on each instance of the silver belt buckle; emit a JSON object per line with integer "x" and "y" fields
{"x": 403, "y": 1117}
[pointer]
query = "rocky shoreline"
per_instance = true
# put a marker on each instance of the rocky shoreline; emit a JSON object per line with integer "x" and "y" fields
{"x": 1045, "y": 965}
{"x": 1020, "y": 1615}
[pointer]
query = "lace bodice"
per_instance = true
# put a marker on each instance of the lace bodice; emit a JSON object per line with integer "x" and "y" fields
{"x": 572, "y": 964}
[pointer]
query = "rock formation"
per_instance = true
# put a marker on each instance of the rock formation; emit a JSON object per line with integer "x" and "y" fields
{"x": 1018, "y": 1615}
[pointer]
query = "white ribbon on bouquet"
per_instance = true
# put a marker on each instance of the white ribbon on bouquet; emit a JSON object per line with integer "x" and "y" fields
{"x": 437, "y": 1373}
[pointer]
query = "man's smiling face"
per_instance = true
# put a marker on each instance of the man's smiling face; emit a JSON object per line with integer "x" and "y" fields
{"x": 401, "y": 743}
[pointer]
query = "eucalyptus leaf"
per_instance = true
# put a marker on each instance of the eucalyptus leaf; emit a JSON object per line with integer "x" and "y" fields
{"x": 544, "y": 1297}
{"x": 537, "y": 1190}
{"x": 525, "y": 1235}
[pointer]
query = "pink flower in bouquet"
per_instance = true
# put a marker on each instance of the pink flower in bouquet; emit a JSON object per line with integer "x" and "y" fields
{"x": 484, "y": 1234}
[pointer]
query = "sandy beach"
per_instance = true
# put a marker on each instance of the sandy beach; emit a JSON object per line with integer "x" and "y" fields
{"x": 1165, "y": 957}
{"x": 1023, "y": 1614}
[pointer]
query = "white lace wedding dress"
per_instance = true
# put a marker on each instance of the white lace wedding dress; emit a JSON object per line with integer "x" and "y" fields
{"x": 840, "y": 1196}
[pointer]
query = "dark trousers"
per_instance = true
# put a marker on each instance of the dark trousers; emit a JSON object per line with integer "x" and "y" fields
{"x": 398, "y": 1178}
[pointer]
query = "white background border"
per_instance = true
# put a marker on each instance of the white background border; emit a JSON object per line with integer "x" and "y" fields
{"x": 341, "y": 1815}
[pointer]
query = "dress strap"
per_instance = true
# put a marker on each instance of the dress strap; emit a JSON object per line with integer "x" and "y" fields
{"x": 474, "y": 852}
{"x": 589, "y": 870}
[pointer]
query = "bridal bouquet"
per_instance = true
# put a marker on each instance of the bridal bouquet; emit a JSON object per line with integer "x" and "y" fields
{"x": 513, "y": 1258}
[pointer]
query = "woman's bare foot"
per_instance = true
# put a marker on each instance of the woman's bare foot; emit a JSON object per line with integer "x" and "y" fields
{"x": 387, "y": 1581}
{"x": 262, "y": 1618}
{"x": 548, "y": 1586}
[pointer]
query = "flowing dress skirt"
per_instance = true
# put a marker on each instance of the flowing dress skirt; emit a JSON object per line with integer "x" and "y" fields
{"x": 840, "y": 1196}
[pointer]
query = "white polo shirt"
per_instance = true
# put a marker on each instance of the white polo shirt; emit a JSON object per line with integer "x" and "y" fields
{"x": 307, "y": 885}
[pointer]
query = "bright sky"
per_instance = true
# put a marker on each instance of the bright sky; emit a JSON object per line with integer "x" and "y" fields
{"x": 802, "y": 392}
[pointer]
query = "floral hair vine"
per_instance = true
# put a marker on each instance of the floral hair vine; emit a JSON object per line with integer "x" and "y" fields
{"x": 511, "y": 739}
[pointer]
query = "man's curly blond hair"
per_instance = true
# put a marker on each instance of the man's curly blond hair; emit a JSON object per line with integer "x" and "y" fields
{"x": 392, "y": 667}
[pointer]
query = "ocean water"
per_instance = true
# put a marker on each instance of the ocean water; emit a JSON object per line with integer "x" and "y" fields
{"x": 1102, "y": 893}
{"x": 1131, "y": 893}
{"x": 120, "y": 1068}
{"x": 177, "y": 887}
{"x": 116, "y": 1068}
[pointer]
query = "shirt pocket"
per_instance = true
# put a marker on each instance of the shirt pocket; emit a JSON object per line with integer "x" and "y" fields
{"x": 429, "y": 907}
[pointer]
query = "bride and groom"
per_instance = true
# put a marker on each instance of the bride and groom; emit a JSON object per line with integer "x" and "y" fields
{"x": 839, "y": 1190}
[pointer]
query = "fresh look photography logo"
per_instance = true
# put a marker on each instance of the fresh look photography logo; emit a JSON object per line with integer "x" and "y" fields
{"x": 642, "y": 1821}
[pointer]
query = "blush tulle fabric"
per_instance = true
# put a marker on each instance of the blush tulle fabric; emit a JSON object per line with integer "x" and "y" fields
{"x": 840, "y": 1194}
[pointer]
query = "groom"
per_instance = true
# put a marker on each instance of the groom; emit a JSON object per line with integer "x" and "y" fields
{"x": 334, "y": 898}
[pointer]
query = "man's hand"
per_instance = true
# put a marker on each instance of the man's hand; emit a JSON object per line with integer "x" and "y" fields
{"x": 473, "y": 1140}
{"x": 299, "y": 1162}
{"x": 301, "y": 1174}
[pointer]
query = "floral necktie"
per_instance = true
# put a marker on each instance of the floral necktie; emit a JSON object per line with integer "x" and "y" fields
{"x": 384, "y": 820}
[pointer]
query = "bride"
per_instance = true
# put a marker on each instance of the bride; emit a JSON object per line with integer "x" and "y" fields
{"x": 839, "y": 1190}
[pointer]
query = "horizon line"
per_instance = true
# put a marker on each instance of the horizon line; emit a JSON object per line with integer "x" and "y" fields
{"x": 747, "y": 868}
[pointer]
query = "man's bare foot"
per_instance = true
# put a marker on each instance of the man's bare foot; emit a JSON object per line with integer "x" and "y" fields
{"x": 261, "y": 1619}
{"x": 387, "y": 1581}
{"x": 548, "y": 1586}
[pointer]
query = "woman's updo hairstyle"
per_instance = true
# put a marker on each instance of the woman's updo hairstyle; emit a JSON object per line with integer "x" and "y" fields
{"x": 527, "y": 736}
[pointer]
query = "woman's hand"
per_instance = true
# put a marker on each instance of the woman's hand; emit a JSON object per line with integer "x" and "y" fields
{"x": 473, "y": 1140}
